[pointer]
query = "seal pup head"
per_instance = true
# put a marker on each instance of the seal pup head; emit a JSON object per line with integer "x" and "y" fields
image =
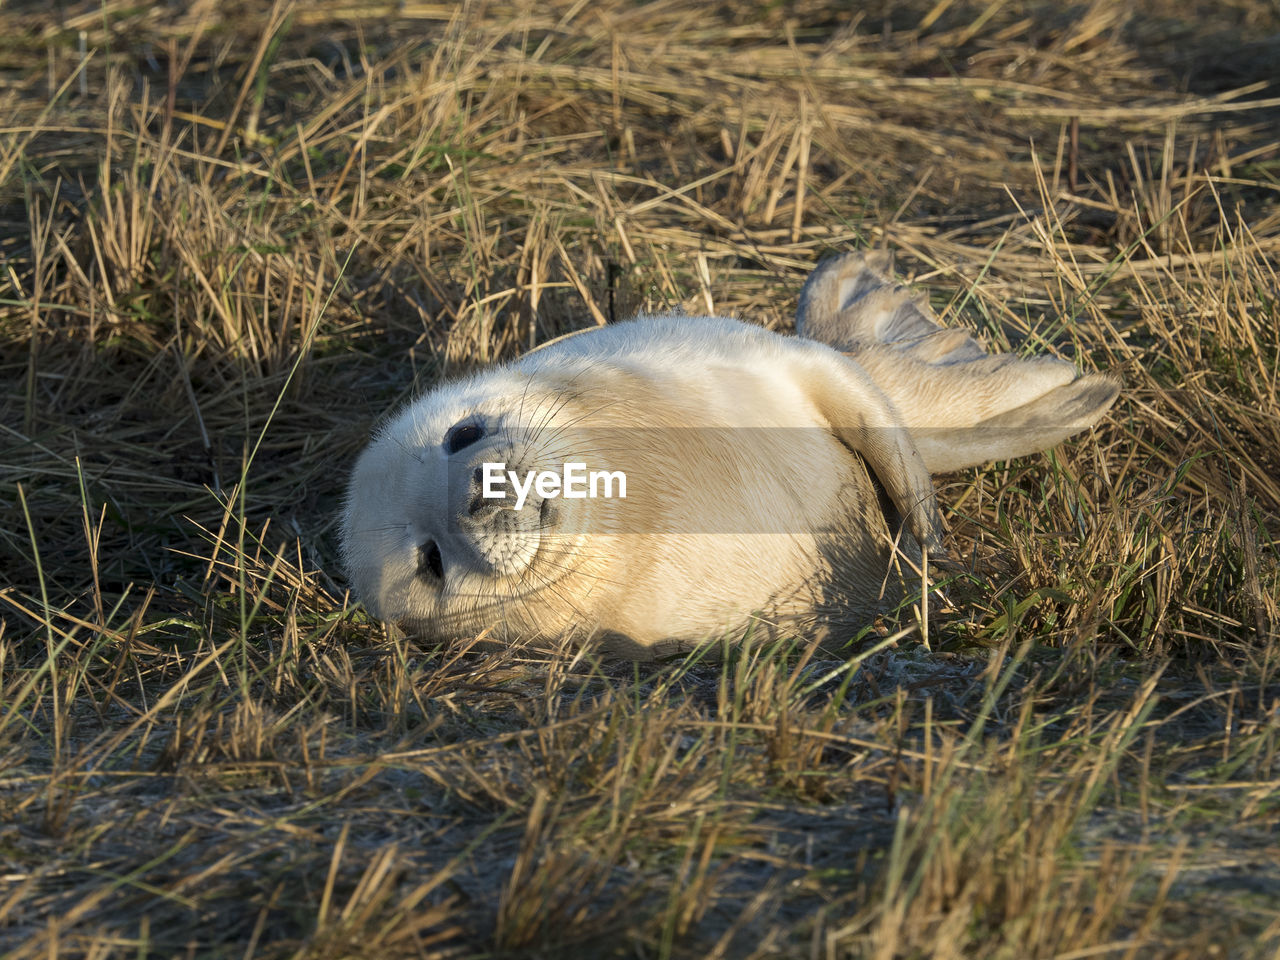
{"x": 435, "y": 531}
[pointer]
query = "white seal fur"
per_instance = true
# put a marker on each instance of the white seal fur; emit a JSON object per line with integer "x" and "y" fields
{"x": 773, "y": 483}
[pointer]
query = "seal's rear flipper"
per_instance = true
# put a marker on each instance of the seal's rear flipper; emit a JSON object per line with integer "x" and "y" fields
{"x": 1030, "y": 428}
{"x": 850, "y": 302}
{"x": 962, "y": 405}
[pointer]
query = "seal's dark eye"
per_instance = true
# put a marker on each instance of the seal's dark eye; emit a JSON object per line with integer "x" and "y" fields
{"x": 462, "y": 435}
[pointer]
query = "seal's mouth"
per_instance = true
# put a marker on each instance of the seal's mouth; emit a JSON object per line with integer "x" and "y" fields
{"x": 548, "y": 515}
{"x": 487, "y": 540}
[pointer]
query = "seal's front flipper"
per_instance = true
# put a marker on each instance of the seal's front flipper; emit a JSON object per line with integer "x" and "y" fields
{"x": 861, "y": 417}
{"x": 962, "y": 405}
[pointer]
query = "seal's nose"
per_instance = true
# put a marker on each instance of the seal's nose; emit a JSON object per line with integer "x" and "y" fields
{"x": 430, "y": 561}
{"x": 477, "y": 492}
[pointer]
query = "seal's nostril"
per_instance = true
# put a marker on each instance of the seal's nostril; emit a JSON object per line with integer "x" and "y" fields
{"x": 478, "y": 476}
{"x": 429, "y": 560}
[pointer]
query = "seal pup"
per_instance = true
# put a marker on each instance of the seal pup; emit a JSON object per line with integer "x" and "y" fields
{"x": 772, "y": 483}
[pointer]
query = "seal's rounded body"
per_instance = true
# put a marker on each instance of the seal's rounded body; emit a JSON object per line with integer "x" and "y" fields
{"x": 771, "y": 483}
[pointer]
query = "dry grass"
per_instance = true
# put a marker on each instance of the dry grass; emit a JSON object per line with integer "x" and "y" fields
{"x": 233, "y": 236}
